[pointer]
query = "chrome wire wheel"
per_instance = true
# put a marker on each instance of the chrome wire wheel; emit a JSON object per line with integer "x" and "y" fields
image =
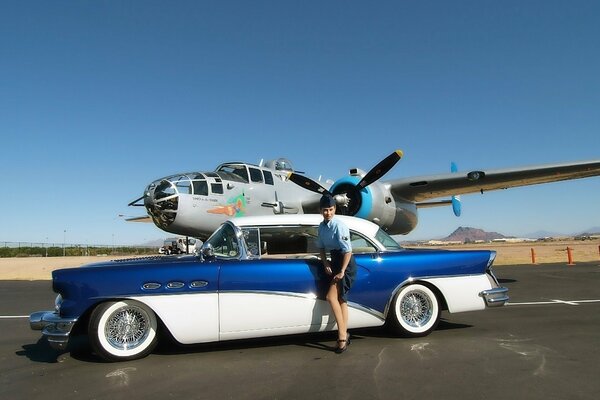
{"x": 123, "y": 330}
{"x": 127, "y": 328}
{"x": 415, "y": 311}
{"x": 416, "y": 308}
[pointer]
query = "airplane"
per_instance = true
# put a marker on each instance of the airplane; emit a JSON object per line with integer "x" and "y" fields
{"x": 195, "y": 204}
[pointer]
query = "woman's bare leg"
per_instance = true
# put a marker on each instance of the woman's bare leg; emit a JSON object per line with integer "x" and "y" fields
{"x": 333, "y": 299}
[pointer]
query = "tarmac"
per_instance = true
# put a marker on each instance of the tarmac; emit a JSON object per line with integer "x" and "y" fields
{"x": 543, "y": 345}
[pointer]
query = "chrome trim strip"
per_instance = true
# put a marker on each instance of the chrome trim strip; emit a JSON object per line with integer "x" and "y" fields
{"x": 367, "y": 310}
{"x": 198, "y": 284}
{"x": 151, "y": 286}
{"x": 175, "y": 285}
{"x": 310, "y": 296}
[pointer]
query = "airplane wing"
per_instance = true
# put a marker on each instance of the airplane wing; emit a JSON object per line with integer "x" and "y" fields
{"x": 424, "y": 188}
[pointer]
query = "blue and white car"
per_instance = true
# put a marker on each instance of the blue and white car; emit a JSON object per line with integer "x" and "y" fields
{"x": 260, "y": 276}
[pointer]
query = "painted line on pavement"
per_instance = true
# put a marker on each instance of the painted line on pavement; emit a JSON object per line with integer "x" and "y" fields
{"x": 568, "y": 302}
{"x": 13, "y": 316}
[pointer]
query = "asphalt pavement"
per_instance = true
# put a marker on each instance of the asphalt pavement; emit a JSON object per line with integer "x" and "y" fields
{"x": 544, "y": 345}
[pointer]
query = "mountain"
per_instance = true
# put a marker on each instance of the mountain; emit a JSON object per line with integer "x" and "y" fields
{"x": 594, "y": 230}
{"x": 467, "y": 234}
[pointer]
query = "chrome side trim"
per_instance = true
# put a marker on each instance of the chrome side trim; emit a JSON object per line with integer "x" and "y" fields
{"x": 198, "y": 284}
{"x": 367, "y": 310}
{"x": 151, "y": 286}
{"x": 310, "y": 296}
{"x": 175, "y": 285}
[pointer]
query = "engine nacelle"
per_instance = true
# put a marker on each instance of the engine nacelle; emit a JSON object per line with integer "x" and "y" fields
{"x": 375, "y": 203}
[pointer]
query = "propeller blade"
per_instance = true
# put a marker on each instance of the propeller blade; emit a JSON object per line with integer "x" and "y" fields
{"x": 380, "y": 169}
{"x": 307, "y": 183}
{"x": 456, "y": 205}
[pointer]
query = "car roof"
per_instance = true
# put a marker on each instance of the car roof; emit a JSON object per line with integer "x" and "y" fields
{"x": 353, "y": 223}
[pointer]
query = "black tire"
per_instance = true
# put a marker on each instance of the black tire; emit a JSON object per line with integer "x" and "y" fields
{"x": 123, "y": 330}
{"x": 415, "y": 311}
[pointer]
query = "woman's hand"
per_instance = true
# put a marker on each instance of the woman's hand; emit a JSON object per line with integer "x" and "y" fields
{"x": 339, "y": 277}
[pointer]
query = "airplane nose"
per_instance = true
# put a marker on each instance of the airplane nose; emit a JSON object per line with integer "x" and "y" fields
{"x": 161, "y": 201}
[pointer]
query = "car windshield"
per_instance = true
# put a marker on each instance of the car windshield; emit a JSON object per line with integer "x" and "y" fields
{"x": 387, "y": 241}
{"x": 224, "y": 242}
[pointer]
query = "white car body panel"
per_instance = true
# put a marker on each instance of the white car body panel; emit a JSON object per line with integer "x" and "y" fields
{"x": 191, "y": 318}
{"x": 247, "y": 315}
{"x": 462, "y": 292}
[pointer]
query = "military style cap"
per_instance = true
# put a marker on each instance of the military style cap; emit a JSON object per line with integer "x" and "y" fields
{"x": 327, "y": 201}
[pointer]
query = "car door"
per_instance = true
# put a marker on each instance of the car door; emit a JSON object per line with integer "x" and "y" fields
{"x": 265, "y": 297}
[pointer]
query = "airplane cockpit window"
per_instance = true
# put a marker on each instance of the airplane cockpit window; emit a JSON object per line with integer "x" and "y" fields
{"x": 268, "y": 177}
{"x": 200, "y": 188}
{"x": 281, "y": 164}
{"x": 164, "y": 189}
{"x": 256, "y": 175}
{"x": 183, "y": 184}
{"x": 238, "y": 171}
{"x": 216, "y": 188}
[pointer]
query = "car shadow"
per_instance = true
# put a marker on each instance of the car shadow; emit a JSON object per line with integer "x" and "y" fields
{"x": 42, "y": 352}
{"x": 80, "y": 349}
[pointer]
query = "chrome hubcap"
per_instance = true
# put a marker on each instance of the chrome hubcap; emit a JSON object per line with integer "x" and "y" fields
{"x": 127, "y": 328}
{"x": 416, "y": 308}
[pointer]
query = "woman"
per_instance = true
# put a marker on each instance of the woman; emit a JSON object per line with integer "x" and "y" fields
{"x": 334, "y": 237}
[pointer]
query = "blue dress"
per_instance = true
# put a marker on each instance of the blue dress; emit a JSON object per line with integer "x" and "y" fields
{"x": 334, "y": 237}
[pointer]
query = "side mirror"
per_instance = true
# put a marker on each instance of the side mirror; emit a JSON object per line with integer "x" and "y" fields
{"x": 207, "y": 251}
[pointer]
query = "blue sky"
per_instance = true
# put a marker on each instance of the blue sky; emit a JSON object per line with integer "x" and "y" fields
{"x": 100, "y": 98}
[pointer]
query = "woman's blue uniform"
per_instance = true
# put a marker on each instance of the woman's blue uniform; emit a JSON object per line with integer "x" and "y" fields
{"x": 334, "y": 237}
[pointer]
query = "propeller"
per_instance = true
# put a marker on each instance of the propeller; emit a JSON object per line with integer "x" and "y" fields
{"x": 456, "y": 205}
{"x": 379, "y": 170}
{"x": 382, "y": 168}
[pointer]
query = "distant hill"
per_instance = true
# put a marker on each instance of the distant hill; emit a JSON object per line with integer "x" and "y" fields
{"x": 468, "y": 234}
{"x": 594, "y": 230}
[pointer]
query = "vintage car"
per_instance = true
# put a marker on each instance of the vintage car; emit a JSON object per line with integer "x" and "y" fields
{"x": 260, "y": 276}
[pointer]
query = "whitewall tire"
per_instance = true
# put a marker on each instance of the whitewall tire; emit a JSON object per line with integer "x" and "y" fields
{"x": 415, "y": 311}
{"x": 123, "y": 330}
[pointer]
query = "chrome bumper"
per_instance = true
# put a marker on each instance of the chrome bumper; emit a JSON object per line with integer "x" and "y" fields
{"x": 495, "y": 297}
{"x": 55, "y": 328}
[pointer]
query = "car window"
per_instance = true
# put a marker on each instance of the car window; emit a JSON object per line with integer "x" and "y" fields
{"x": 282, "y": 240}
{"x": 252, "y": 239}
{"x": 224, "y": 242}
{"x": 360, "y": 244}
{"x": 387, "y": 241}
{"x": 297, "y": 240}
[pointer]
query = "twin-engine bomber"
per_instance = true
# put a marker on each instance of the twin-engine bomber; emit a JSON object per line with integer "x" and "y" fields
{"x": 195, "y": 204}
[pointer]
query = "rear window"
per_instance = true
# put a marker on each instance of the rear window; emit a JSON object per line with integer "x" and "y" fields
{"x": 387, "y": 241}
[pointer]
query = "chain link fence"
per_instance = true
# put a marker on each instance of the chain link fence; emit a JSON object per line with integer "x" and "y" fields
{"x": 28, "y": 249}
